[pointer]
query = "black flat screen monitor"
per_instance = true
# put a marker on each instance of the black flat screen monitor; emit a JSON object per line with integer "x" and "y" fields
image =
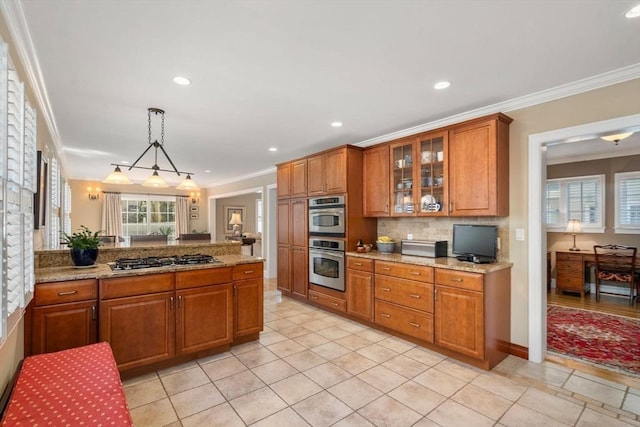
{"x": 475, "y": 241}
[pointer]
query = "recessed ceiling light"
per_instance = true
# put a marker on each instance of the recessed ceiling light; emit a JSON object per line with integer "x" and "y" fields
{"x": 273, "y": 149}
{"x": 634, "y": 12}
{"x": 336, "y": 124}
{"x": 182, "y": 81}
{"x": 125, "y": 162}
{"x": 442, "y": 85}
{"x": 207, "y": 171}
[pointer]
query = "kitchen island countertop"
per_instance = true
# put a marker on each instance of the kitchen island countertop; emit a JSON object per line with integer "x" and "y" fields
{"x": 102, "y": 271}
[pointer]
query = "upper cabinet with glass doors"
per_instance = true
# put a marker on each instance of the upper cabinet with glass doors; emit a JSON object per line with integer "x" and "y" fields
{"x": 433, "y": 181}
{"x": 402, "y": 177}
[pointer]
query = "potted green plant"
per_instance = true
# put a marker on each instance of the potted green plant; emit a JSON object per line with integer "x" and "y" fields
{"x": 84, "y": 246}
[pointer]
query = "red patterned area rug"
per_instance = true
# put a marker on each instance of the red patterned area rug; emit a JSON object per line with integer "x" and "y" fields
{"x": 602, "y": 339}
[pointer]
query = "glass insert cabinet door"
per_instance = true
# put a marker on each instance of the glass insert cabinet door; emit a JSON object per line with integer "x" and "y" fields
{"x": 433, "y": 193}
{"x": 402, "y": 185}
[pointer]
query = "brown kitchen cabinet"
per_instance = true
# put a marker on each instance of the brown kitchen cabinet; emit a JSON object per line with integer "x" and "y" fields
{"x": 204, "y": 309}
{"x": 137, "y": 318}
{"x": 472, "y": 314}
{"x": 292, "y": 246}
{"x": 329, "y": 301}
{"x": 64, "y": 315}
{"x": 402, "y": 163}
{"x": 291, "y": 179}
{"x": 248, "y": 299}
{"x": 327, "y": 173}
{"x": 479, "y": 167}
{"x": 404, "y": 298}
{"x": 375, "y": 181}
{"x": 432, "y": 175}
{"x": 359, "y": 287}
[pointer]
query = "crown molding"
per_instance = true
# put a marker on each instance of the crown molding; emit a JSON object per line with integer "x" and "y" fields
{"x": 590, "y": 83}
{"x": 257, "y": 174}
{"x": 13, "y": 14}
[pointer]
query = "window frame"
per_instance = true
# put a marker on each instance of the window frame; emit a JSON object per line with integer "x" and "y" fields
{"x": 561, "y": 225}
{"x": 619, "y": 228}
{"x": 149, "y": 198}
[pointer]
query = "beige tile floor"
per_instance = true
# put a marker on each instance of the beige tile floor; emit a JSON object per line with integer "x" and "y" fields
{"x": 314, "y": 368}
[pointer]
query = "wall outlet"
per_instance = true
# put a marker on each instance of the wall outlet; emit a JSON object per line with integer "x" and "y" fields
{"x": 520, "y": 234}
{"x": 497, "y": 243}
{"x": 409, "y": 236}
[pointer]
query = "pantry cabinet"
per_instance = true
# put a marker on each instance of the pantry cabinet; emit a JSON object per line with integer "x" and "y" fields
{"x": 293, "y": 275}
{"x": 64, "y": 315}
{"x": 479, "y": 167}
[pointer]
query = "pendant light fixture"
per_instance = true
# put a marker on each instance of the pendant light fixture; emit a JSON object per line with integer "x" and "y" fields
{"x": 154, "y": 180}
{"x": 617, "y": 137}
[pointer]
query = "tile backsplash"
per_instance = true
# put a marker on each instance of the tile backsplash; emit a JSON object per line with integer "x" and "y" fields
{"x": 441, "y": 229}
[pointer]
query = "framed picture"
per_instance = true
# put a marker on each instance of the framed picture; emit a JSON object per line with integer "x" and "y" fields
{"x": 40, "y": 198}
{"x": 195, "y": 216}
{"x": 195, "y": 209}
{"x": 228, "y": 213}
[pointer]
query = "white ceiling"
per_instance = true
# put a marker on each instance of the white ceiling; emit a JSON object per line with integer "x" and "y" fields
{"x": 277, "y": 73}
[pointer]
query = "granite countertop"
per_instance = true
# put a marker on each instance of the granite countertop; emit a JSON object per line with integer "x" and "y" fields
{"x": 449, "y": 263}
{"x": 102, "y": 271}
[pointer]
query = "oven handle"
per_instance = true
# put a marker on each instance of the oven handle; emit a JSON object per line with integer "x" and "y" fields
{"x": 334, "y": 254}
{"x": 320, "y": 210}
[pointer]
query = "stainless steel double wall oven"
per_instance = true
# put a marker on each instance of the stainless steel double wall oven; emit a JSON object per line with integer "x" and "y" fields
{"x": 327, "y": 241}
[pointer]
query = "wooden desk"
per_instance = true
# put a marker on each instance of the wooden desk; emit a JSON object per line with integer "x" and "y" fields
{"x": 571, "y": 268}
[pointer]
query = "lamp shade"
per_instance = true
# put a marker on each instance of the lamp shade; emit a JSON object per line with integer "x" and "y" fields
{"x": 188, "y": 184}
{"x": 235, "y": 219}
{"x": 155, "y": 181}
{"x": 574, "y": 226}
{"x": 117, "y": 177}
{"x": 617, "y": 137}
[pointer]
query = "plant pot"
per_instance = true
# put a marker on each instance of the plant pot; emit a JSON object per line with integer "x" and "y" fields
{"x": 84, "y": 257}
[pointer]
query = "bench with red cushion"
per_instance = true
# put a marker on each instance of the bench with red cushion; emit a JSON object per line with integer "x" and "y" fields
{"x": 70, "y": 387}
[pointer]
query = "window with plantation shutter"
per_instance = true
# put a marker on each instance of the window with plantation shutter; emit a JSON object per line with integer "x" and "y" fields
{"x": 580, "y": 198}
{"x": 627, "y": 202}
{"x": 17, "y": 187}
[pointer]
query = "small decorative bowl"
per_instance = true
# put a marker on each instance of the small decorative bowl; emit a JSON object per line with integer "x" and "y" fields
{"x": 386, "y": 247}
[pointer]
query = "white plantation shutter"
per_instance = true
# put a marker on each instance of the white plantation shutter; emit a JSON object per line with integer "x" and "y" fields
{"x": 66, "y": 208}
{"x": 54, "y": 192}
{"x": 17, "y": 187}
{"x": 579, "y": 198}
{"x": 627, "y": 202}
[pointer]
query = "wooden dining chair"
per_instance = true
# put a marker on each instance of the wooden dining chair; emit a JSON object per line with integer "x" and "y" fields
{"x": 617, "y": 263}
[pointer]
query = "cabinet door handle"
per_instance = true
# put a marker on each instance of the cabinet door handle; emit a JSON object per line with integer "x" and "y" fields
{"x": 386, "y": 209}
{"x": 414, "y": 296}
{"x": 415, "y": 273}
{"x": 450, "y": 206}
{"x": 415, "y": 325}
{"x": 248, "y": 271}
{"x": 453, "y": 279}
{"x": 93, "y": 313}
{"x": 179, "y": 301}
{"x": 61, "y": 294}
{"x": 386, "y": 289}
{"x": 385, "y": 315}
{"x": 170, "y": 303}
{"x": 435, "y": 295}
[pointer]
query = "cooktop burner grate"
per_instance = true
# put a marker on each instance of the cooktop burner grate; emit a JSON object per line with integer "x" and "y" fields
{"x": 150, "y": 262}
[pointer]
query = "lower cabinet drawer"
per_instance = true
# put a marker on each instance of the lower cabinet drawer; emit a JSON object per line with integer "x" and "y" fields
{"x": 570, "y": 281}
{"x": 408, "y": 293}
{"x": 63, "y": 292}
{"x": 408, "y": 321}
{"x": 328, "y": 301}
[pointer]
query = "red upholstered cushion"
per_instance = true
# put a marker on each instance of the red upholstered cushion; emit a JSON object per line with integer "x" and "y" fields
{"x": 616, "y": 276}
{"x": 79, "y": 386}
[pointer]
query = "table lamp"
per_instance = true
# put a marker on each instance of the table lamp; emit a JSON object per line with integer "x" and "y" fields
{"x": 574, "y": 227}
{"x": 236, "y": 221}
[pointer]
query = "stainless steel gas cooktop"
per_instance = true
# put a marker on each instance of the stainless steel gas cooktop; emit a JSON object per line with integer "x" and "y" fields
{"x": 150, "y": 262}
